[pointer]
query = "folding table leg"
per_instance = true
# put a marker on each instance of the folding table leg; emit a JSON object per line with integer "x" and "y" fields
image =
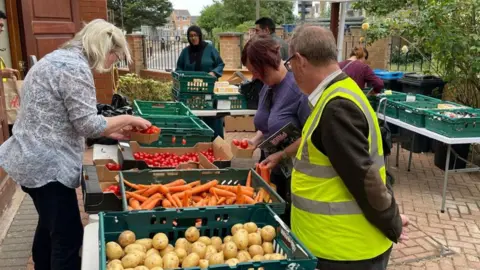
{"x": 445, "y": 178}
{"x": 411, "y": 149}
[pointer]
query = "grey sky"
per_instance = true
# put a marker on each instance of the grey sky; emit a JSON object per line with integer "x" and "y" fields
{"x": 193, "y": 6}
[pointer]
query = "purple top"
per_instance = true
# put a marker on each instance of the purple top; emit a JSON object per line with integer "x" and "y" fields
{"x": 289, "y": 104}
{"x": 361, "y": 73}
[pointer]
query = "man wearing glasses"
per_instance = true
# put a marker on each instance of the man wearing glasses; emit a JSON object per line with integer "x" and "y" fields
{"x": 342, "y": 208}
{"x": 267, "y": 26}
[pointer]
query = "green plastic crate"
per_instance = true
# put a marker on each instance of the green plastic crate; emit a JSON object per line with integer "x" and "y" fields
{"x": 395, "y": 100}
{"x": 193, "y": 81}
{"x": 176, "y": 128}
{"x": 414, "y": 112}
{"x": 195, "y": 101}
{"x": 143, "y": 108}
{"x": 230, "y": 102}
{"x": 215, "y": 222}
{"x": 453, "y": 127}
{"x": 231, "y": 177}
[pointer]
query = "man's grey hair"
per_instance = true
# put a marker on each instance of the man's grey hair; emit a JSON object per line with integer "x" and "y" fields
{"x": 315, "y": 43}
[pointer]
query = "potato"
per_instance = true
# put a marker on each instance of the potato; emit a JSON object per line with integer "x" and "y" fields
{"x": 114, "y": 251}
{"x": 230, "y": 250}
{"x": 216, "y": 242}
{"x": 140, "y": 254}
{"x": 182, "y": 243}
{"x": 232, "y": 262}
{"x": 250, "y": 227}
{"x": 152, "y": 251}
{"x": 153, "y": 260}
{"x": 141, "y": 268}
{"x": 171, "y": 261}
{"x": 227, "y": 239}
{"x": 243, "y": 256}
{"x": 241, "y": 240}
{"x": 267, "y": 247}
{"x": 166, "y": 250}
{"x": 157, "y": 268}
{"x": 276, "y": 256}
{"x": 199, "y": 248}
{"x": 132, "y": 247}
{"x": 191, "y": 260}
{"x": 254, "y": 239}
{"x": 243, "y": 231}
{"x": 236, "y": 227}
{"x": 255, "y": 250}
{"x": 131, "y": 260}
{"x": 217, "y": 258}
{"x": 268, "y": 257}
{"x": 192, "y": 234}
{"x": 146, "y": 242}
{"x": 203, "y": 264}
{"x": 209, "y": 251}
{"x": 115, "y": 267}
{"x": 181, "y": 254}
{"x": 160, "y": 241}
{"x": 258, "y": 258}
{"x": 126, "y": 238}
{"x": 268, "y": 233}
{"x": 113, "y": 262}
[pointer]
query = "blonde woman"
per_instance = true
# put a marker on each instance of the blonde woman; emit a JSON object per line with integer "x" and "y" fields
{"x": 45, "y": 153}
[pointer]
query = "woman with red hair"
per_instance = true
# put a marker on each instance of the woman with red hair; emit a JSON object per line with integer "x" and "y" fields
{"x": 280, "y": 102}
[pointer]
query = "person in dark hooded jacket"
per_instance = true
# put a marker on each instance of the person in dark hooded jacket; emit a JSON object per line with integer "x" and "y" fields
{"x": 200, "y": 55}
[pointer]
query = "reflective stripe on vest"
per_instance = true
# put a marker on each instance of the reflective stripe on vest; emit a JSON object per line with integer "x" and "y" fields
{"x": 304, "y": 166}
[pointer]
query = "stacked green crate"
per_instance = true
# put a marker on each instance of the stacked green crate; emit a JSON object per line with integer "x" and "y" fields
{"x": 414, "y": 113}
{"x": 230, "y": 102}
{"x": 144, "y": 108}
{"x": 454, "y": 123}
{"x": 193, "y": 88}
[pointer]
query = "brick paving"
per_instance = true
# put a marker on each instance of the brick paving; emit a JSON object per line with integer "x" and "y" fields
{"x": 443, "y": 241}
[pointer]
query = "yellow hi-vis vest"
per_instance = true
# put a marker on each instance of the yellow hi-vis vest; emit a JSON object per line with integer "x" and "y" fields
{"x": 2, "y": 66}
{"x": 325, "y": 215}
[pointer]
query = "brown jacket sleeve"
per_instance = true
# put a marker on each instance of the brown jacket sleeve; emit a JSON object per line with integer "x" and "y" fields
{"x": 342, "y": 135}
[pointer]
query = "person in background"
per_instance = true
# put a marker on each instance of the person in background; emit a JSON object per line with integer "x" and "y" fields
{"x": 342, "y": 208}
{"x": 6, "y": 72}
{"x": 280, "y": 102}
{"x": 45, "y": 153}
{"x": 356, "y": 68}
{"x": 266, "y": 26}
{"x": 202, "y": 56}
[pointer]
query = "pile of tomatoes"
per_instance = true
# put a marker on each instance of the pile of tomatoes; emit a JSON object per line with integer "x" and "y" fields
{"x": 151, "y": 130}
{"x": 113, "y": 188}
{"x": 113, "y": 166}
{"x": 170, "y": 160}
{"x": 243, "y": 144}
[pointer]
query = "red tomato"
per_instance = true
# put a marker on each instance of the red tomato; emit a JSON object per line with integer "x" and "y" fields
{"x": 236, "y": 142}
{"x": 174, "y": 139}
{"x": 184, "y": 142}
{"x": 244, "y": 144}
{"x": 112, "y": 166}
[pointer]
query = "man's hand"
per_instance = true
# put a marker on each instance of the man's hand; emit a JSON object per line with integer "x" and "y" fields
{"x": 405, "y": 223}
{"x": 9, "y": 73}
{"x": 271, "y": 161}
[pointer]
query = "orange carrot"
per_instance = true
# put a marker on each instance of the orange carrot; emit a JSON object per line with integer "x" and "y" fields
{"x": 199, "y": 189}
{"x": 134, "y": 203}
{"x": 265, "y": 173}
{"x": 221, "y": 200}
{"x": 246, "y": 191}
{"x": 248, "y": 200}
{"x": 212, "y": 201}
{"x": 166, "y": 203}
{"x": 171, "y": 199}
{"x": 134, "y": 186}
{"x": 197, "y": 198}
{"x": 179, "y": 182}
{"x": 140, "y": 198}
{"x": 260, "y": 196}
{"x": 150, "y": 191}
{"x": 202, "y": 202}
{"x": 162, "y": 189}
{"x": 130, "y": 208}
{"x": 194, "y": 184}
{"x": 230, "y": 201}
{"x": 140, "y": 191}
{"x": 179, "y": 188}
{"x": 204, "y": 195}
{"x": 257, "y": 196}
{"x": 149, "y": 201}
{"x": 249, "y": 179}
{"x": 177, "y": 201}
{"x": 222, "y": 193}
{"x": 186, "y": 198}
{"x": 214, "y": 193}
{"x": 257, "y": 168}
{"x": 151, "y": 204}
{"x": 240, "y": 198}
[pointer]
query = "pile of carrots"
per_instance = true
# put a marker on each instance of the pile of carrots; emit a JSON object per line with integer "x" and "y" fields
{"x": 180, "y": 194}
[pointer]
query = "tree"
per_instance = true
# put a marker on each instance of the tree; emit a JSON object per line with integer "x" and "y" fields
{"x": 211, "y": 17}
{"x": 140, "y": 12}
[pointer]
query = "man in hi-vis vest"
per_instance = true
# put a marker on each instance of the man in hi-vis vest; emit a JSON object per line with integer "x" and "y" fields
{"x": 342, "y": 209}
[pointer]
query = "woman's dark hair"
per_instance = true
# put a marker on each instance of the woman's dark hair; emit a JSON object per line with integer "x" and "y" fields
{"x": 197, "y": 30}
{"x": 359, "y": 52}
{"x": 262, "y": 51}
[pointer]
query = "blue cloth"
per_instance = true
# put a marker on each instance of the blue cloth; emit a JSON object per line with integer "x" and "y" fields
{"x": 289, "y": 104}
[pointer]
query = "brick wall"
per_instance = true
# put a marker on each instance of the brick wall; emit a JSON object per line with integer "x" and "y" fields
{"x": 89, "y": 10}
{"x": 378, "y": 52}
{"x": 230, "y": 49}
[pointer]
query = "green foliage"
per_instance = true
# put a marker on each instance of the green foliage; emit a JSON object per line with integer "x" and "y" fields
{"x": 245, "y": 26}
{"x": 140, "y": 12}
{"x": 447, "y": 29}
{"x": 135, "y": 87}
{"x": 211, "y": 17}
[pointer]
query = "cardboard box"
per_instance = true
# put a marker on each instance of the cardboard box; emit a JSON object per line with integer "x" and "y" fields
{"x": 144, "y": 138}
{"x": 103, "y": 154}
{"x": 239, "y": 124}
{"x": 242, "y": 153}
{"x": 220, "y": 148}
{"x": 94, "y": 199}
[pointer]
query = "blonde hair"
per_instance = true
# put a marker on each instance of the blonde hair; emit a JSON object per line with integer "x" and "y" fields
{"x": 98, "y": 39}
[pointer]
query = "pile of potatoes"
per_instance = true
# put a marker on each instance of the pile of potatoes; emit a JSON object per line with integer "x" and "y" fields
{"x": 247, "y": 243}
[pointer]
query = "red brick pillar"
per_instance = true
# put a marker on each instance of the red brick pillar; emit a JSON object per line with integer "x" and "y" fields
{"x": 97, "y": 9}
{"x": 135, "y": 42}
{"x": 230, "y": 49}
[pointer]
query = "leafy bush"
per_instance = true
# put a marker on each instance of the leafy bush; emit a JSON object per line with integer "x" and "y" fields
{"x": 134, "y": 87}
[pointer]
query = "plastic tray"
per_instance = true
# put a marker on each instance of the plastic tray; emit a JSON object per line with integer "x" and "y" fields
{"x": 230, "y": 102}
{"x": 215, "y": 222}
{"x": 143, "y": 108}
{"x": 388, "y": 75}
{"x": 195, "y": 101}
{"x": 177, "y": 128}
{"x": 193, "y": 81}
{"x": 225, "y": 177}
{"x": 394, "y": 100}
{"x": 453, "y": 127}
{"x": 414, "y": 112}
